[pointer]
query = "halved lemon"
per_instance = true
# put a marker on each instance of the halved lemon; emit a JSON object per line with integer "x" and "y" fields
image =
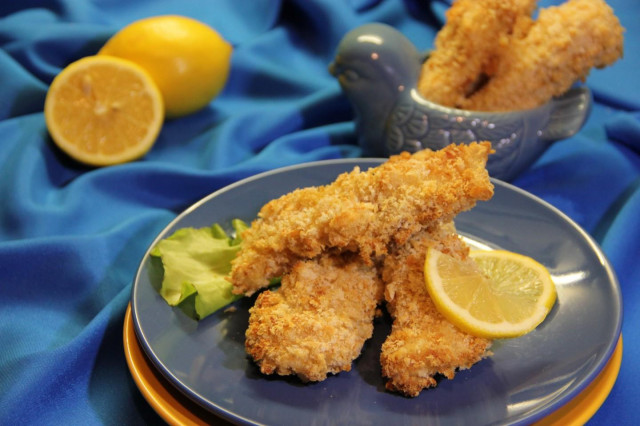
{"x": 103, "y": 110}
{"x": 492, "y": 294}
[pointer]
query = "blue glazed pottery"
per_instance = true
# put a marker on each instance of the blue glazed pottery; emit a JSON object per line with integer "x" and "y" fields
{"x": 378, "y": 70}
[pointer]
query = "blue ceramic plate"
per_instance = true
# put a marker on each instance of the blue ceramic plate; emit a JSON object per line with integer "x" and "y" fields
{"x": 526, "y": 378}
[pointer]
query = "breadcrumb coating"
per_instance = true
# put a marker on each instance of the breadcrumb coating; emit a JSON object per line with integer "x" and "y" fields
{"x": 422, "y": 343}
{"x": 316, "y": 323}
{"x": 362, "y": 211}
{"x": 468, "y": 47}
{"x": 492, "y": 55}
{"x": 559, "y": 48}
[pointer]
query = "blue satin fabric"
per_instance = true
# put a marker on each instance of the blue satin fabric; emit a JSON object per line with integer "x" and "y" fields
{"x": 71, "y": 236}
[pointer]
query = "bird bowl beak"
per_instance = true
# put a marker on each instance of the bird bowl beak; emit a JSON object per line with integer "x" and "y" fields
{"x": 332, "y": 68}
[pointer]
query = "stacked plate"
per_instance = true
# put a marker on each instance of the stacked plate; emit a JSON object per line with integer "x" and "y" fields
{"x": 197, "y": 372}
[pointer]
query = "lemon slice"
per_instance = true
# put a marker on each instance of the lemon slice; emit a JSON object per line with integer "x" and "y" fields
{"x": 103, "y": 110}
{"x": 492, "y": 294}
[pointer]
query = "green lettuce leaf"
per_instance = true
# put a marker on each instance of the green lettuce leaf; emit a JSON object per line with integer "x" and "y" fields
{"x": 195, "y": 262}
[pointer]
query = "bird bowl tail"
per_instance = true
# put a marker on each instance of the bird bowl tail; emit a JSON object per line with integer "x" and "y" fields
{"x": 569, "y": 113}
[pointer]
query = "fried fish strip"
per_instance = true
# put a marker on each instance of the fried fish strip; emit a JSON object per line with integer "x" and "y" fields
{"x": 468, "y": 46}
{"x": 422, "y": 343}
{"x": 560, "y": 48}
{"x": 362, "y": 211}
{"x": 319, "y": 319}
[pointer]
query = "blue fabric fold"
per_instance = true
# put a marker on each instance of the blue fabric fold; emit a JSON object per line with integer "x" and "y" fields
{"x": 71, "y": 236}
{"x": 624, "y": 127}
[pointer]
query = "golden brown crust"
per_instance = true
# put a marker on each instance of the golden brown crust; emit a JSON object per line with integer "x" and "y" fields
{"x": 318, "y": 321}
{"x": 362, "y": 211}
{"x": 491, "y": 55}
{"x": 469, "y": 46}
{"x": 422, "y": 343}
{"x": 559, "y": 48}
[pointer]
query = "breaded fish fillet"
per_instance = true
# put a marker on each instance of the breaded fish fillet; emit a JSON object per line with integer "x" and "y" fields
{"x": 468, "y": 46}
{"x": 362, "y": 211}
{"x": 422, "y": 343}
{"x": 317, "y": 321}
{"x": 560, "y": 48}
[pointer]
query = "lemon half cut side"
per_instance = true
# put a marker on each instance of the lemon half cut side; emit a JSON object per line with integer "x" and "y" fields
{"x": 492, "y": 294}
{"x": 102, "y": 111}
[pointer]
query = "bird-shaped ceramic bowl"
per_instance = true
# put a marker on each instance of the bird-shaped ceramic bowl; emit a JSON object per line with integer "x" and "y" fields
{"x": 378, "y": 70}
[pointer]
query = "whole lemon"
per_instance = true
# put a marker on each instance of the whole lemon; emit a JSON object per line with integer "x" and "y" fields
{"x": 187, "y": 59}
